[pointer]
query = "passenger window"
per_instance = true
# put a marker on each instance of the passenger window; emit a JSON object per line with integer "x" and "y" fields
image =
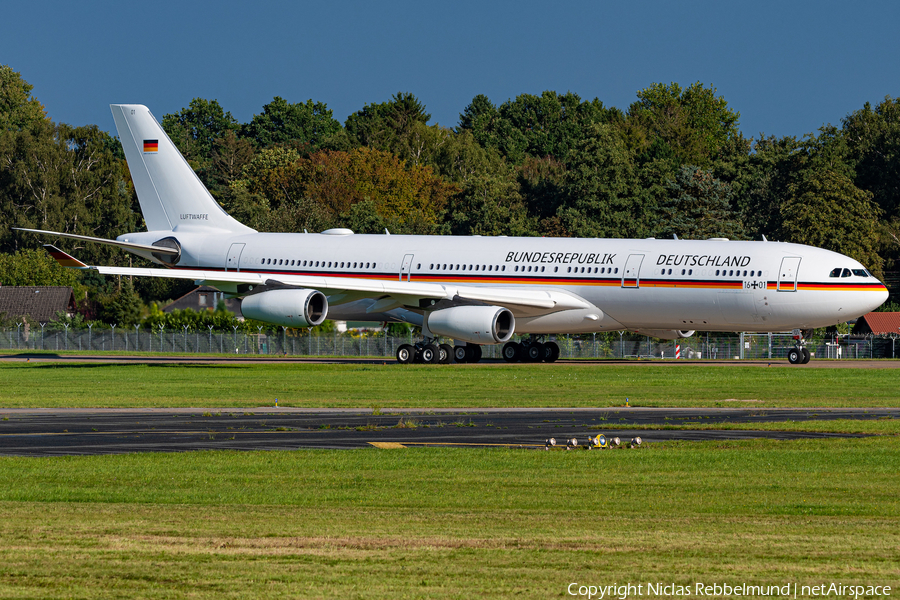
{"x": 691, "y": 272}
{"x": 570, "y": 269}
{"x": 555, "y": 269}
{"x": 617, "y": 269}
{"x": 542, "y": 269}
{"x": 503, "y": 268}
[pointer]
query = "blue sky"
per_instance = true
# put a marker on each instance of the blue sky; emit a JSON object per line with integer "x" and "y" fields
{"x": 787, "y": 67}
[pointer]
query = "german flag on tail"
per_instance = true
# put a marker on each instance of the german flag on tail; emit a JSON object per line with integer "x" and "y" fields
{"x": 151, "y": 145}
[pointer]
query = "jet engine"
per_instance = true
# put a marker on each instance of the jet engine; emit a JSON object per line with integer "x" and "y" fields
{"x": 473, "y": 324}
{"x": 667, "y": 334}
{"x": 290, "y": 308}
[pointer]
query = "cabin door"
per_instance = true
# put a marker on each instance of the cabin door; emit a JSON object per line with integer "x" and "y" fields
{"x": 631, "y": 276}
{"x": 233, "y": 260}
{"x": 406, "y": 267}
{"x": 787, "y": 276}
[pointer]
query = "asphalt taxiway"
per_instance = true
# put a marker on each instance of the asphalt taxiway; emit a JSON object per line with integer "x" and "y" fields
{"x": 53, "y": 432}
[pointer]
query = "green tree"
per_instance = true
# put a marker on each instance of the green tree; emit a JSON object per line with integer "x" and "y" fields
{"x": 685, "y": 126}
{"x": 34, "y": 267}
{"x": 195, "y": 129}
{"x": 18, "y": 108}
{"x": 65, "y": 179}
{"x": 547, "y": 125}
{"x": 873, "y": 139}
{"x": 698, "y": 207}
{"x": 387, "y": 126}
{"x": 489, "y": 204}
{"x": 602, "y": 195}
{"x": 308, "y": 124}
{"x": 824, "y": 209}
{"x": 123, "y": 307}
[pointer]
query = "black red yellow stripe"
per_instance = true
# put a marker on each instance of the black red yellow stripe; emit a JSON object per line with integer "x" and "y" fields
{"x": 151, "y": 145}
{"x": 710, "y": 284}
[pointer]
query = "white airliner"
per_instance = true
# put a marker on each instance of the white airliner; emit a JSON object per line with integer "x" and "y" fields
{"x": 475, "y": 290}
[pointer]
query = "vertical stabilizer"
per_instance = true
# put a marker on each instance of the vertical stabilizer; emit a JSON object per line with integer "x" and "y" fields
{"x": 170, "y": 193}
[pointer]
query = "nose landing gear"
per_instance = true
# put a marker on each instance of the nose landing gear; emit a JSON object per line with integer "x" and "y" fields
{"x": 799, "y": 354}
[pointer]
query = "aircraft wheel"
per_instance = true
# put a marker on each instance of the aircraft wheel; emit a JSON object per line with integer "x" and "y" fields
{"x": 446, "y": 353}
{"x": 795, "y": 356}
{"x": 474, "y": 352}
{"x": 405, "y": 354}
{"x": 551, "y": 352}
{"x": 430, "y": 354}
{"x": 806, "y": 356}
{"x": 460, "y": 354}
{"x": 511, "y": 352}
{"x": 534, "y": 352}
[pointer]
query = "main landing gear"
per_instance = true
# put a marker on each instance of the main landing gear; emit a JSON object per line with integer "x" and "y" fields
{"x": 530, "y": 350}
{"x": 427, "y": 351}
{"x": 799, "y": 354}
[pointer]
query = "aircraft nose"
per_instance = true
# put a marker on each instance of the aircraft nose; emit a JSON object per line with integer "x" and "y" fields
{"x": 872, "y": 300}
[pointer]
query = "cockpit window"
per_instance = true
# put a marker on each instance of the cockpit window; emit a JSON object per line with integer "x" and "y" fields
{"x": 845, "y": 273}
{"x": 860, "y": 273}
{"x": 835, "y": 272}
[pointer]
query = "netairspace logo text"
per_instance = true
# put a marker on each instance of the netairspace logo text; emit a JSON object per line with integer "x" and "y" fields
{"x": 723, "y": 590}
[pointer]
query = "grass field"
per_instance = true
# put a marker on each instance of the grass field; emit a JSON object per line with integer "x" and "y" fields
{"x": 433, "y": 386}
{"x": 452, "y": 523}
{"x": 441, "y": 523}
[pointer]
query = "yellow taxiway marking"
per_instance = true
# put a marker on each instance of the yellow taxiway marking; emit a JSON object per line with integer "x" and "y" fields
{"x": 387, "y": 445}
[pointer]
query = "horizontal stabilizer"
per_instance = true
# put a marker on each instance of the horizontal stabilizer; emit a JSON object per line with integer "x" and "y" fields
{"x": 117, "y": 243}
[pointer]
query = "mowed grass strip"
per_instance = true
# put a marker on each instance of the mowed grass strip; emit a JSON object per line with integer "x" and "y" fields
{"x": 440, "y": 386}
{"x": 444, "y": 523}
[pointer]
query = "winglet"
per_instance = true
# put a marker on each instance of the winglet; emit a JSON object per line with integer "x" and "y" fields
{"x": 64, "y": 260}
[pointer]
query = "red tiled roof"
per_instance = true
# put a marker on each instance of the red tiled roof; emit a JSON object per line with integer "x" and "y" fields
{"x": 879, "y": 323}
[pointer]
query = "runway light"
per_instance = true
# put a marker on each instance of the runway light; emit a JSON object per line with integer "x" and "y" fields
{"x": 636, "y": 442}
{"x": 573, "y": 442}
{"x": 600, "y": 441}
{"x": 551, "y": 442}
{"x": 615, "y": 442}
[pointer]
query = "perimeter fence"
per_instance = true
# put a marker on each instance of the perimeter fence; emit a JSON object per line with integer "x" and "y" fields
{"x": 377, "y": 344}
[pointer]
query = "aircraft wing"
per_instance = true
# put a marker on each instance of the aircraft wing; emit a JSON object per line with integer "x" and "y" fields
{"x": 400, "y": 293}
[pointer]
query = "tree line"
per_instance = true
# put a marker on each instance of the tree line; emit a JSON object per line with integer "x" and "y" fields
{"x": 674, "y": 162}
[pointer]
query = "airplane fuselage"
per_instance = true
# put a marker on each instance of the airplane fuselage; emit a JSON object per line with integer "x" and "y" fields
{"x": 637, "y": 284}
